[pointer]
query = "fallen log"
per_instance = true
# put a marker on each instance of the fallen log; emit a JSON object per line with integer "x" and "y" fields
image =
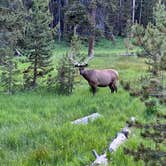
{"x": 86, "y": 119}
{"x": 127, "y": 54}
{"x": 100, "y": 160}
{"x": 122, "y": 136}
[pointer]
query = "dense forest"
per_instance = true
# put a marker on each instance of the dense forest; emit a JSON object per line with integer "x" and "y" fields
{"x": 104, "y": 18}
{"x": 55, "y": 57}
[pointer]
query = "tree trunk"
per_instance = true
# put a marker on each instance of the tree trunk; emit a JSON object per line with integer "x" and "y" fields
{"x": 140, "y": 13}
{"x": 66, "y": 2}
{"x": 35, "y": 67}
{"x": 91, "y": 46}
{"x": 120, "y": 18}
{"x": 133, "y": 11}
{"x": 34, "y": 73}
{"x": 59, "y": 20}
{"x": 75, "y": 30}
{"x": 92, "y": 19}
{"x": 10, "y": 77}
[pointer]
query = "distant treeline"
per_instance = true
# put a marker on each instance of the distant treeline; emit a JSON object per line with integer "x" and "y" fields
{"x": 111, "y": 17}
{"x": 108, "y": 17}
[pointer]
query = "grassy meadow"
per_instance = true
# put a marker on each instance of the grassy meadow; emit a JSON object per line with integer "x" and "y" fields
{"x": 36, "y": 129}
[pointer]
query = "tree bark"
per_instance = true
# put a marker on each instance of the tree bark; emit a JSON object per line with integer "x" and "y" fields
{"x": 91, "y": 46}
{"x": 34, "y": 73}
{"x": 140, "y": 13}
{"x": 92, "y": 19}
{"x": 75, "y": 30}
{"x": 133, "y": 11}
{"x": 10, "y": 77}
{"x": 35, "y": 66}
{"x": 59, "y": 21}
{"x": 120, "y": 18}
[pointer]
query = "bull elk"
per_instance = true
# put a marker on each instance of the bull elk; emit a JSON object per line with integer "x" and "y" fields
{"x": 97, "y": 78}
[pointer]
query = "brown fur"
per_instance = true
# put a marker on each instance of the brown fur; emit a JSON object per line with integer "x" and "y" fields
{"x": 100, "y": 78}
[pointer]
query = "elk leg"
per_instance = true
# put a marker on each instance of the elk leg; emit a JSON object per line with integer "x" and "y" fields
{"x": 115, "y": 87}
{"x": 93, "y": 89}
{"x": 112, "y": 88}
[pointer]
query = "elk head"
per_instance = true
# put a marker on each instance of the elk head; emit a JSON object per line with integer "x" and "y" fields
{"x": 81, "y": 65}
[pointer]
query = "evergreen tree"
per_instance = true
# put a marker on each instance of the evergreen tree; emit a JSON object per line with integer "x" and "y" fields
{"x": 75, "y": 48}
{"x": 66, "y": 70}
{"x": 110, "y": 15}
{"x": 76, "y": 19}
{"x": 127, "y": 40}
{"x": 38, "y": 38}
{"x": 156, "y": 132}
{"x": 152, "y": 39}
{"x": 11, "y": 29}
{"x": 147, "y": 11}
{"x": 65, "y": 76}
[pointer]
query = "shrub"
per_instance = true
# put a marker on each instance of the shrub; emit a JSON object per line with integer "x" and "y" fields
{"x": 126, "y": 85}
{"x": 65, "y": 76}
{"x": 151, "y": 105}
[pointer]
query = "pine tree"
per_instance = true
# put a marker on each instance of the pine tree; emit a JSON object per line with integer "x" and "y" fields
{"x": 152, "y": 39}
{"x": 75, "y": 47}
{"x": 127, "y": 40}
{"x": 155, "y": 132}
{"x": 38, "y": 39}
{"x": 147, "y": 11}
{"x": 11, "y": 28}
{"x": 75, "y": 19}
{"x": 66, "y": 71}
{"x": 65, "y": 76}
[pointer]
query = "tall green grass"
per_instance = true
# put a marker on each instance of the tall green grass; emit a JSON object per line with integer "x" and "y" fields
{"x": 36, "y": 129}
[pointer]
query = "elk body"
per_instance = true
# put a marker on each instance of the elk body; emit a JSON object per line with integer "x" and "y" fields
{"x": 98, "y": 78}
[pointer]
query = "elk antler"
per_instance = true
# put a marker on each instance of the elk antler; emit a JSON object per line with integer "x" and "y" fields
{"x": 74, "y": 62}
{"x": 88, "y": 59}
{"x": 77, "y": 64}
